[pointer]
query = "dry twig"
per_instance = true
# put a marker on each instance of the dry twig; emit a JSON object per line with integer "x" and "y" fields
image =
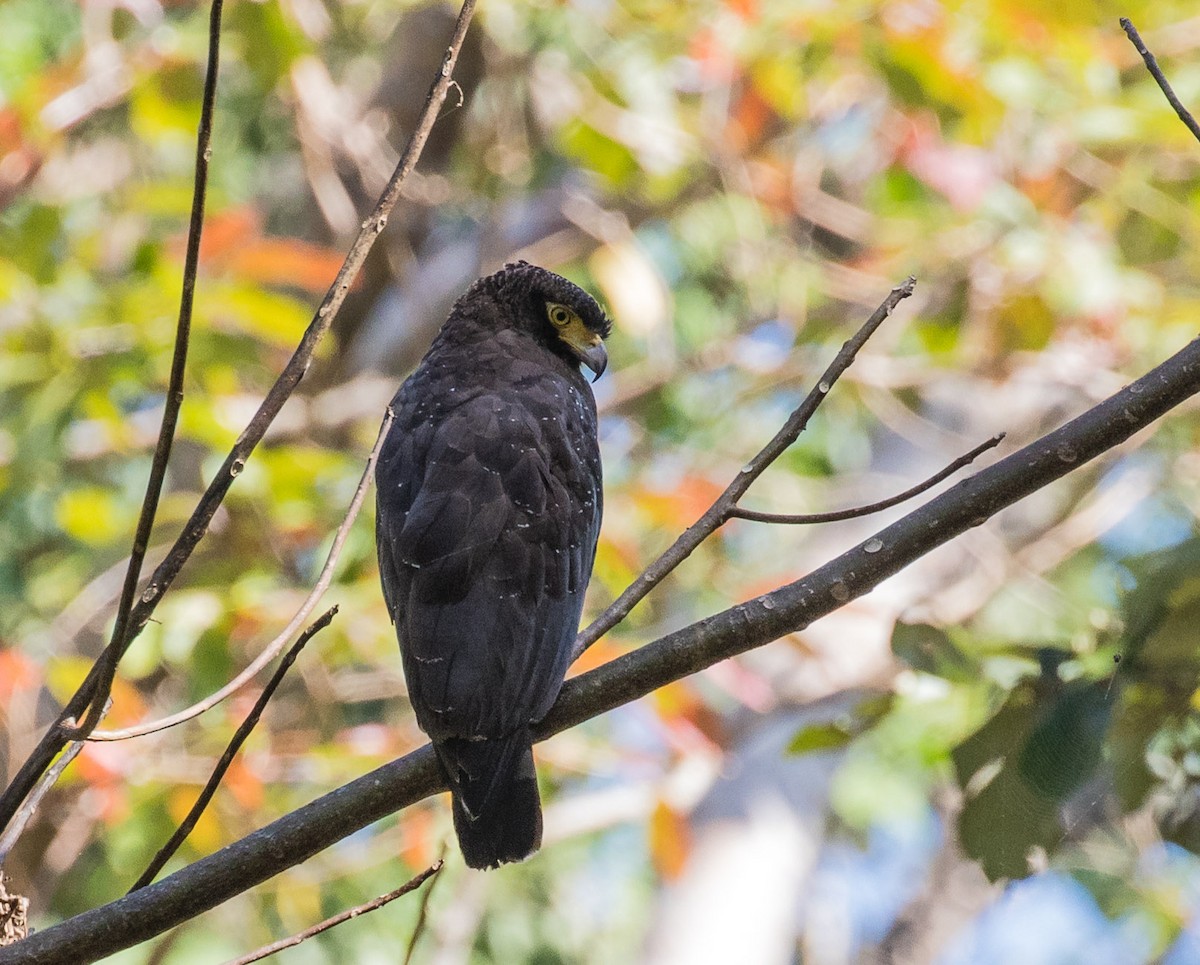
{"x": 856, "y": 512}
{"x": 423, "y": 911}
{"x": 272, "y": 649}
{"x": 719, "y": 512}
{"x": 1156, "y": 72}
{"x": 235, "y": 744}
{"x": 411, "y": 885}
{"x": 106, "y": 667}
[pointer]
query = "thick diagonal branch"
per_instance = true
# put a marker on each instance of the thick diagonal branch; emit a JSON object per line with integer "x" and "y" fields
{"x": 301, "y": 834}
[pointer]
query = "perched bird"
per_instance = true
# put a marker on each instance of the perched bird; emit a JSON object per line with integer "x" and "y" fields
{"x": 489, "y": 499}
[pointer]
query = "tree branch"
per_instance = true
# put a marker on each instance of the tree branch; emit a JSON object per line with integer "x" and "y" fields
{"x": 106, "y": 667}
{"x": 235, "y": 744}
{"x": 374, "y": 904}
{"x": 857, "y": 512}
{"x": 1151, "y": 62}
{"x": 719, "y": 512}
{"x": 272, "y": 649}
{"x": 301, "y": 834}
{"x": 56, "y": 737}
{"x": 27, "y": 809}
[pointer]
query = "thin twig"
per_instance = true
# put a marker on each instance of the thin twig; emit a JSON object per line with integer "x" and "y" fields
{"x": 106, "y": 666}
{"x": 423, "y": 911}
{"x": 235, "y": 744}
{"x": 272, "y": 649}
{"x": 94, "y": 598}
{"x": 719, "y": 512}
{"x": 857, "y": 512}
{"x": 55, "y": 738}
{"x": 10, "y": 836}
{"x": 1156, "y": 72}
{"x": 410, "y": 885}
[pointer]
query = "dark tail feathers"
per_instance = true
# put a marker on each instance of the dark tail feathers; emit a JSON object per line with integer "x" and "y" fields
{"x": 497, "y": 811}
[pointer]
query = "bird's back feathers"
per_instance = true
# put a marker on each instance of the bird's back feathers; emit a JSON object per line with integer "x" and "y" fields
{"x": 489, "y": 502}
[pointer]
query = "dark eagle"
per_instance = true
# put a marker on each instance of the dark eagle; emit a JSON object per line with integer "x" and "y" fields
{"x": 489, "y": 501}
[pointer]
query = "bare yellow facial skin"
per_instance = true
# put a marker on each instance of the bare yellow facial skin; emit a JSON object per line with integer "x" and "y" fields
{"x": 585, "y": 345}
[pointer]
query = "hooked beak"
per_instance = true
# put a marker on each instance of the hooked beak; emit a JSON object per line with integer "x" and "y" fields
{"x": 593, "y": 356}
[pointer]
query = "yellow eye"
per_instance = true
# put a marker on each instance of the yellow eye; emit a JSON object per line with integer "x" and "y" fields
{"x": 560, "y": 315}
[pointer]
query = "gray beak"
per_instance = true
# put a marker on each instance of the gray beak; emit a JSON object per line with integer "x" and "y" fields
{"x": 595, "y": 358}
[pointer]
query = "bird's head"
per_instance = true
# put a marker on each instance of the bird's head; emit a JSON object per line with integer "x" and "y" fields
{"x": 557, "y": 312}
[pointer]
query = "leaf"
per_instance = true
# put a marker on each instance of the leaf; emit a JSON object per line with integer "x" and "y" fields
{"x": 17, "y": 672}
{"x": 1021, "y": 766}
{"x": 1064, "y": 747}
{"x": 829, "y": 735}
{"x": 820, "y": 737}
{"x": 93, "y": 516}
{"x": 65, "y": 674}
{"x": 245, "y": 786}
{"x": 930, "y": 650}
{"x": 207, "y": 835}
{"x": 670, "y": 840}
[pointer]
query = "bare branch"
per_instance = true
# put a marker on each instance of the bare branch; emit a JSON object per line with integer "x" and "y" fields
{"x": 272, "y": 649}
{"x": 235, "y": 744}
{"x": 106, "y": 667}
{"x": 411, "y": 885}
{"x": 1156, "y": 72}
{"x": 737, "y": 512}
{"x": 719, "y": 512}
{"x": 423, "y": 911}
{"x": 197, "y": 525}
{"x": 295, "y": 837}
{"x": 13, "y": 832}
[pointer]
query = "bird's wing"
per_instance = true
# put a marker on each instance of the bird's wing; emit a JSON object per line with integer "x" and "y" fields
{"x": 486, "y": 547}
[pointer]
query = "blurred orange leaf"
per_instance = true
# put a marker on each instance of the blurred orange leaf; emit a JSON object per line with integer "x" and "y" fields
{"x": 418, "y": 837}
{"x": 17, "y": 672}
{"x": 600, "y": 652}
{"x": 206, "y": 835}
{"x": 127, "y": 705}
{"x": 749, "y": 119}
{"x": 233, "y": 242}
{"x": 670, "y": 840}
{"x": 103, "y": 767}
{"x": 682, "y": 506}
{"x": 245, "y": 786}
{"x": 675, "y": 700}
{"x": 290, "y": 262}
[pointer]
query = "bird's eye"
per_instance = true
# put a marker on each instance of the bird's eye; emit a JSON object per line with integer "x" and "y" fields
{"x": 559, "y": 315}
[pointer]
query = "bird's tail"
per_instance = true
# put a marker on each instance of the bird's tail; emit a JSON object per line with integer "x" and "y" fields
{"x": 497, "y": 811}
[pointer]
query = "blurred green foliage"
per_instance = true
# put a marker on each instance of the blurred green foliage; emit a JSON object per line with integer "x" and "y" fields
{"x": 741, "y": 181}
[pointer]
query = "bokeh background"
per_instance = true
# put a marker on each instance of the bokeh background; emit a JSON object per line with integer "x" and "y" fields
{"x": 992, "y": 758}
